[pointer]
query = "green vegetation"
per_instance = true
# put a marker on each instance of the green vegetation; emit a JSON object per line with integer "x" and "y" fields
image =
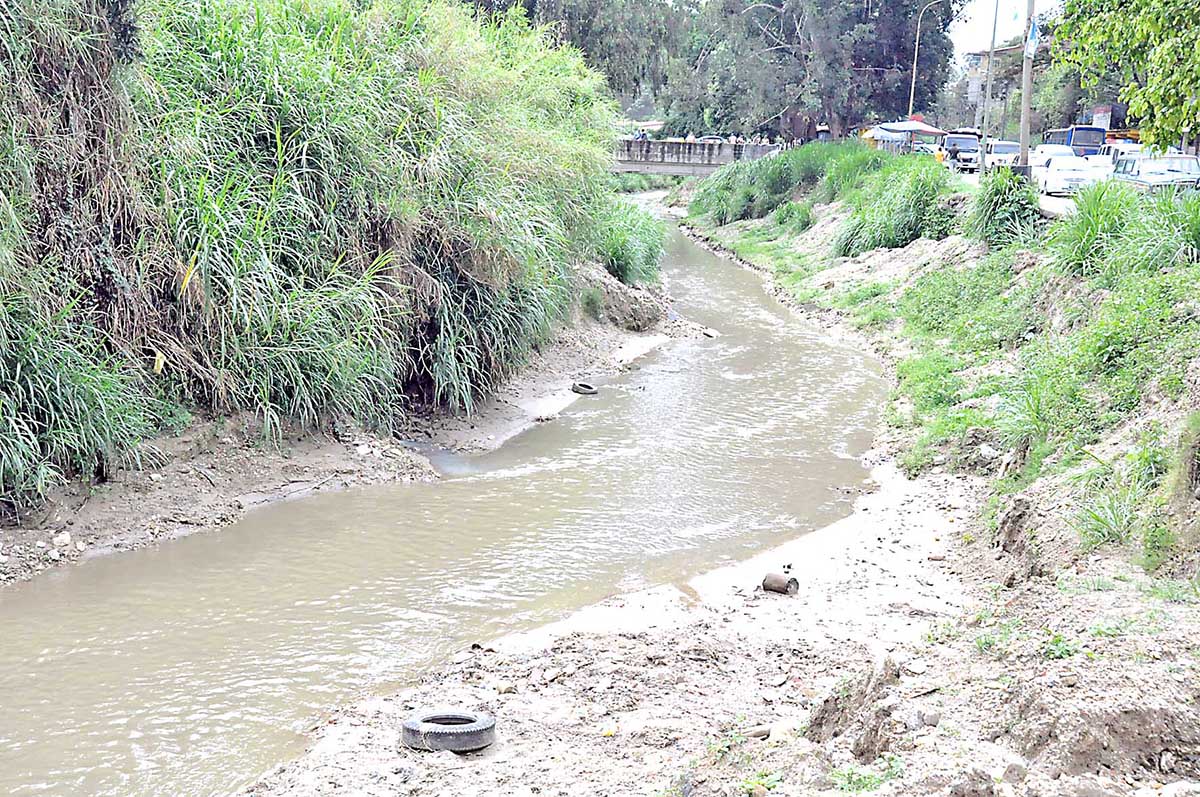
{"x": 753, "y": 189}
{"x": 634, "y": 182}
{"x": 631, "y": 243}
{"x": 859, "y": 779}
{"x": 1004, "y": 209}
{"x": 895, "y": 207}
{"x": 301, "y": 208}
{"x": 1160, "y": 36}
{"x": 1041, "y": 348}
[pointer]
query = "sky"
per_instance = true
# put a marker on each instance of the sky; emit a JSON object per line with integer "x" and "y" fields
{"x": 972, "y": 31}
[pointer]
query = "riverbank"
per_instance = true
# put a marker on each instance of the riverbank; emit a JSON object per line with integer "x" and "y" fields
{"x": 947, "y": 639}
{"x": 215, "y": 471}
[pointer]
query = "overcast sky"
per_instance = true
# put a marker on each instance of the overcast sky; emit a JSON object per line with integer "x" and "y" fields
{"x": 972, "y": 31}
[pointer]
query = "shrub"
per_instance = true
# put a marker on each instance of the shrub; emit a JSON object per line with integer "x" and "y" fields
{"x": 1003, "y": 207}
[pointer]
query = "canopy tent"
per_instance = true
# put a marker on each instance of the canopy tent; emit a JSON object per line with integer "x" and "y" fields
{"x": 911, "y": 126}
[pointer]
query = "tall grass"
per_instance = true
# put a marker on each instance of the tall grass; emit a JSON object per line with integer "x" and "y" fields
{"x": 1083, "y": 239}
{"x": 896, "y": 206}
{"x": 302, "y": 208}
{"x": 632, "y": 244}
{"x": 1003, "y": 209}
{"x": 753, "y": 189}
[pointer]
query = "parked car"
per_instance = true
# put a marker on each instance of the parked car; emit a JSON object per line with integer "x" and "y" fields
{"x": 1065, "y": 174}
{"x": 921, "y": 148}
{"x": 1002, "y": 153}
{"x": 968, "y": 151}
{"x": 711, "y": 140}
{"x": 1150, "y": 174}
{"x": 1041, "y": 155}
{"x": 1106, "y": 159}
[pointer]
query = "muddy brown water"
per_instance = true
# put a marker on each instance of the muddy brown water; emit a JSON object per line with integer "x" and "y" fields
{"x": 189, "y": 668}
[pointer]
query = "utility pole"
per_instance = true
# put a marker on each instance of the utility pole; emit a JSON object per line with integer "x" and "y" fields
{"x": 987, "y": 93}
{"x": 1026, "y": 88}
{"x": 912, "y": 89}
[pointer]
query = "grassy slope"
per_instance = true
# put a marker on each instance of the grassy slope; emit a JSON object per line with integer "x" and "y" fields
{"x": 1063, "y": 349}
{"x": 305, "y": 209}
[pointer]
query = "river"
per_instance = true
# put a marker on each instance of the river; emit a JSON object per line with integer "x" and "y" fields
{"x": 189, "y": 668}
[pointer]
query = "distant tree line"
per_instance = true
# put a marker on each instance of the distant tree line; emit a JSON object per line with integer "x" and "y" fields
{"x": 739, "y": 66}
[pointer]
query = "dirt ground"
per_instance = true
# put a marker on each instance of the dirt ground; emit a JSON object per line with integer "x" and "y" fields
{"x": 216, "y": 470}
{"x": 923, "y": 654}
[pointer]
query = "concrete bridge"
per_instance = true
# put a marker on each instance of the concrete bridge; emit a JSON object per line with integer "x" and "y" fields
{"x": 679, "y": 157}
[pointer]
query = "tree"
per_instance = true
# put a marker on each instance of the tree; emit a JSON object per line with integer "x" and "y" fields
{"x": 1154, "y": 45}
{"x": 630, "y": 41}
{"x": 745, "y": 65}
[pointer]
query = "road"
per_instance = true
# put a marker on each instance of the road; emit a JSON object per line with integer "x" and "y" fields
{"x": 1052, "y": 206}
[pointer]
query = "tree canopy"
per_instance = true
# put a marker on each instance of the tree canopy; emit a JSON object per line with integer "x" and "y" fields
{"x": 1156, "y": 45}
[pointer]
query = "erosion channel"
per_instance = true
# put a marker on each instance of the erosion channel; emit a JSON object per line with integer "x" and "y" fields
{"x": 190, "y": 667}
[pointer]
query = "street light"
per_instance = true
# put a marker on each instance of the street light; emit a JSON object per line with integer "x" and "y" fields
{"x": 912, "y": 90}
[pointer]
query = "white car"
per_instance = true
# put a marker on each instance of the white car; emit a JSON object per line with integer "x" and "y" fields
{"x": 1159, "y": 173}
{"x": 1002, "y": 153}
{"x": 1106, "y": 159}
{"x": 1042, "y": 154}
{"x": 1065, "y": 174}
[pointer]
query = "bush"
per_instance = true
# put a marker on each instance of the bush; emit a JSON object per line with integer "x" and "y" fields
{"x": 898, "y": 205}
{"x": 1004, "y": 207}
{"x": 632, "y": 244}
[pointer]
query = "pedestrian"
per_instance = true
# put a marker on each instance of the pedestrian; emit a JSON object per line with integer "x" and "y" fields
{"x": 952, "y": 156}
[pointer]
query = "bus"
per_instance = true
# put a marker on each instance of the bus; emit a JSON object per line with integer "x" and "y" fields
{"x": 1083, "y": 139}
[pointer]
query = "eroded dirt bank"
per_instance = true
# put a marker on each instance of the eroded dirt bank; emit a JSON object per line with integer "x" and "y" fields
{"x": 216, "y": 470}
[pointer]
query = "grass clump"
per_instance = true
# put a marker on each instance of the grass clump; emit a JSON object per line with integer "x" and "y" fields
{"x": 796, "y": 217}
{"x": 632, "y": 243}
{"x": 896, "y": 206}
{"x": 1081, "y": 240}
{"x": 1003, "y": 209}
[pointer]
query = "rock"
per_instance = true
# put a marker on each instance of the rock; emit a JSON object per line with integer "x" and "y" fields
{"x": 506, "y": 688}
{"x": 41, "y": 544}
{"x": 461, "y": 657}
{"x": 80, "y": 546}
{"x": 1010, "y": 535}
{"x": 1015, "y": 772}
{"x": 61, "y": 540}
{"x": 54, "y": 555}
{"x": 551, "y": 675}
{"x": 987, "y": 453}
{"x": 759, "y": 790}
{"x": 975, "y": 783}
{"x": 3, "y": 559}
{"x": 931, "y": 718}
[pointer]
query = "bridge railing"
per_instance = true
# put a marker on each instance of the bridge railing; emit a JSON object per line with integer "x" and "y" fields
{"x": 698, "y": 153}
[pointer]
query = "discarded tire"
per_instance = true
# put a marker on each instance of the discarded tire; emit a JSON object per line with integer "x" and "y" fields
{"x": 584, "y": 389}
{"x": 778, "y": 582}
{"x": 457, "y": 731}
